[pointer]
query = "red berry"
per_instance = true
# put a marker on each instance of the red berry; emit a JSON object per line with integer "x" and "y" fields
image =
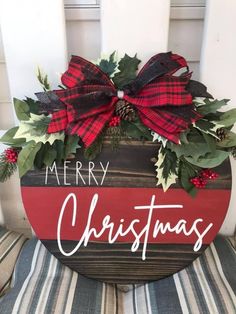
{"x": 209, "y": 174}
{"x": 115, "y": 121}
{"x": 199, "y": 182}
{"x": 11, "y": 155}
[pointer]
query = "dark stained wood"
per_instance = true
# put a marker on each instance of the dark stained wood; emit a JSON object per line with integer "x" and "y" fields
{"x": 116, "y": 264}
{"x": 131, "y": 165}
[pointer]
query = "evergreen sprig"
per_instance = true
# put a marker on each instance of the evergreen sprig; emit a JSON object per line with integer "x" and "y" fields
{"x": 6, "y": 168}
{"x": 95, "y": 149}
{"x": 43, "y": 80}
{"x": 115, "y": 134}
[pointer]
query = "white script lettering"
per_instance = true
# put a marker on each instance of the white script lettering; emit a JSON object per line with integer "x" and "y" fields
{"x": 181, "y": 226}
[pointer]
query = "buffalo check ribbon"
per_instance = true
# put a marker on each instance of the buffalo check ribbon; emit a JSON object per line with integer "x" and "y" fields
{"x": 161, "y": 99}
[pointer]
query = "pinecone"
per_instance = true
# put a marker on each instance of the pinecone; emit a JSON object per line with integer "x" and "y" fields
{"x": 125, "y": 110}
{"x": 222, "y": 134}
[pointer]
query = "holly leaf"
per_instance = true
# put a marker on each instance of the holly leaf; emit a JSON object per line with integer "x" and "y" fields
{"x": 166, "y": 168}
{"x": 229, "y": 141}
{"x": 228, "y": 118}
{"x": 59, "y": 147}
{"x": 35, "y": 129}
{"x": 71, "y": 145}
{"x": 206, "y": 126}
{"x": 186, "y": 172}
{"x": 38, "y": 160}
{"x": 108, "y": 66}
{"x": 211, "y": 106}
{"x": 210, "y": 160}
{"x": 8, "y": 138}
{"x": 136, "y": 130}
{"x": 196, "y": 144}
{"x": 190, "y": 149}
{"x": 159, "y": 138}
{"x": 49, "y": 156}
{"x": 127, "y": 67}
{"x": 33, "y": 105}
{"x": 26, "y": 157}
{"x": 22, "y": 109}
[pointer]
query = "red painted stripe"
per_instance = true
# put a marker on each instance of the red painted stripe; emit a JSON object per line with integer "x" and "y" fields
{"x": 43, "y": 206}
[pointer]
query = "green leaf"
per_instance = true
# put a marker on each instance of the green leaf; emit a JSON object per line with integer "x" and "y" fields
{"x": 95, "y": 149}
{"x": 210, "y": 160}
{"x": 33, "y": 105}
{"x": 228, "y": 118}
{"x": 211, "y": 142}
{"x": 211, "y": 106}
{"x": 108, "y": 66}
{"x": 229, "y": 141}
{"x": 186, "y": 172}
{"x": 206, "y": 126}
{"x": 59, "y": 147}
{"x": 35, "y": 129}
{"x": 38, "y": 161}
{"x": 43, "y": 80}
{"x": 6, "y": 168}
{"x": 136, "y": 130}
{"x": 196, "y": 143}
{"x": 159, "y": 138}
{"x": 26, "y": 157}
{"x": 184, "y": 138}
{"x": 127, "y": 67}
{"x": 22, "y": 109}
{"x": 8, "y": 138}
{"x": 169, "y": 163}
{"x": 50, "y": 156}
{"x": 166, "y": 168}
{"x": 71, "y": 145}
{"x": 190, "y": 149}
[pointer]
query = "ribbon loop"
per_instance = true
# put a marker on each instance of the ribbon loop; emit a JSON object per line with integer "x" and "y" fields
{"x": 89, "y": 101}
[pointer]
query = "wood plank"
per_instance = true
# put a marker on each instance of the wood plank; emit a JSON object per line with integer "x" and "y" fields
{"x": 115, "y": 264}
{"x": 131, "y": 165}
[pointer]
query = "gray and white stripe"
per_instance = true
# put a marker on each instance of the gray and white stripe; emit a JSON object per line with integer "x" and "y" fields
{"x": 49, "y": 287}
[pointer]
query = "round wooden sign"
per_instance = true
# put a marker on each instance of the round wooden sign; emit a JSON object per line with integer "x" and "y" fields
{"x": 109, "y": 221}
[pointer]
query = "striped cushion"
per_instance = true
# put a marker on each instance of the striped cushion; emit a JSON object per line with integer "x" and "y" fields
{"x": 43, "y": 285}
{"x": 10, "y": 246}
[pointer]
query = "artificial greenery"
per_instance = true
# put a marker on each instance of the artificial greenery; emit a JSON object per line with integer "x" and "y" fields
{"x": 6, "y": 168}
{"x": 200, "y": 146}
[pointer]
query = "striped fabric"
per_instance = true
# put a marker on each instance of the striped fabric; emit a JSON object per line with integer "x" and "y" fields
{"x": 10, "y": 246}
{"x": 43, "y": 285}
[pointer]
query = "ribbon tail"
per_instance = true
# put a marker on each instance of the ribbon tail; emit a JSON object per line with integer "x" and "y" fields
{"x": 90, "y": 128}
{"x": 166, "y": 125}
{"x": 49, "y": 102}
{"x": 58, "y": 122}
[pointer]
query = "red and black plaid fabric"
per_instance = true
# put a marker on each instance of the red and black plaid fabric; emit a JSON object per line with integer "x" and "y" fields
{"x": 91, "y": 96}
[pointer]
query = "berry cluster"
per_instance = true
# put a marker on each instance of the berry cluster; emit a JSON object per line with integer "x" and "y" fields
{"x": 201, "y": 180}
{"x": 115, "y": 121}
{"x": 209, "y": 174}
{"x": 11, "y": 155}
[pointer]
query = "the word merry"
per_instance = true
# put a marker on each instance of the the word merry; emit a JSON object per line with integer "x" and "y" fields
{"x": 85, "y": 178}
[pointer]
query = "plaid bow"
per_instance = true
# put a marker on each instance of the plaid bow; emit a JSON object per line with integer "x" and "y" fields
{"x": 162, "y": 102}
